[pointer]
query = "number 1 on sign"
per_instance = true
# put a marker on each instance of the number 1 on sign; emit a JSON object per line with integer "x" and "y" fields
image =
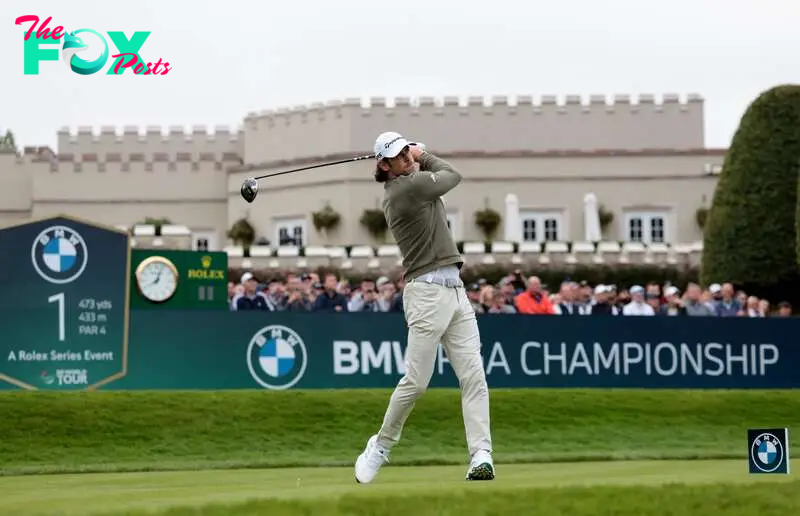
{"x": 61, "y": 322}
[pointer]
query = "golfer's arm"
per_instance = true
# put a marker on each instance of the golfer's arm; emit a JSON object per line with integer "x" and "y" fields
{"x": 436, "y": 177}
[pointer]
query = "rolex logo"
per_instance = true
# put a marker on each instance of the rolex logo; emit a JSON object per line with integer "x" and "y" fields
{"x": 205, "y": 261}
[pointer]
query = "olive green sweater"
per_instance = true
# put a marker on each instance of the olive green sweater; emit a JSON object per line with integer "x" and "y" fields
{"x": 416, "y": 216}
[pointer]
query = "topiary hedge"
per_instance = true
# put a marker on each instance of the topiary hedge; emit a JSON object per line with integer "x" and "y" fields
{"x": 750, "y": 236}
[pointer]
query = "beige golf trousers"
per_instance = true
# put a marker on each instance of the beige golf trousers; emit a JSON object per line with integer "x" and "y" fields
{"x": 436, "y": 313}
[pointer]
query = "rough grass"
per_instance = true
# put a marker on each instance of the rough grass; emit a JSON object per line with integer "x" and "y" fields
{"x": 128, "y": 431}
{"x": 668, "y": 500}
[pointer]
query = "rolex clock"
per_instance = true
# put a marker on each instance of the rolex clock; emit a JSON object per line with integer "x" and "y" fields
{"x": 157, "y": 279}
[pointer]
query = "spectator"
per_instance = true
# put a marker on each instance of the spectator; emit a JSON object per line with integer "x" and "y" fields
{"x": 637, "y": 306}
{"x": 619, "y": 299}
{"x": 569, "y": 303}
{"x": 507, "y": 289}
{"x": 763, "y": 308}
{"x": 297, "y": 299}
{"x": 728, "y": 306}
{"x": 474, "y": 296}
{"x": 328, "y": 299}
{"x": 673, "y": 305}
{"x": 498, "y": 304}
{"x": 784, "y": 309}
{"x": 694, "y": 304}
{"x": 603, "y": 304}
{"x": 715, "y": 290}
{"x": 534, "y": 300}
{"x": 486, "y": 297}
{"x": 252, "y": 299}
{"x": 654, "y": 300}
{"x": 752, "y": 308}
{"x": 276, "y": 294}
{"x": 385, "y": 294}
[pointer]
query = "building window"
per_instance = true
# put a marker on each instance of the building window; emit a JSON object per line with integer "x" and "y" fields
{"x": 646, "y": 227}
{"x": 290, "y": 232}
{"x": 545, "y": 226}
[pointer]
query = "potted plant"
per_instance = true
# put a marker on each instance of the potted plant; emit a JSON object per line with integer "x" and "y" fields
{"x": 606, "y": 217}
{"x": 325, "y": 219}
{"x": 701, "y": 217}
{"x": 375, "y": 222}
{"x": 488, "y": 220}
{"x": 242, "y": 233}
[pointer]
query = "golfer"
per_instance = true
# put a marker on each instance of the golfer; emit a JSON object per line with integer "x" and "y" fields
{"x": 435, "y": 302}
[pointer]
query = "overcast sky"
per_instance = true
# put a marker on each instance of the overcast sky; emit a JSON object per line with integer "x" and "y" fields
{"x": 235, "y": 56}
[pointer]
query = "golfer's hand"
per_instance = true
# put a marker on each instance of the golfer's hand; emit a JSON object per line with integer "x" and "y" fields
{"x": 415, "y": 151}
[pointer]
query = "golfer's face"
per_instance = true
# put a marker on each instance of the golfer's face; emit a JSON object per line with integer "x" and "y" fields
{"x": 402, "y": 163}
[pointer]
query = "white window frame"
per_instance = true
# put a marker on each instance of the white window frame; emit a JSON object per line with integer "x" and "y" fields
{"x": 647, "y": 217}
{"x": 540, "y": 216}
{"x": 290, "y": 223}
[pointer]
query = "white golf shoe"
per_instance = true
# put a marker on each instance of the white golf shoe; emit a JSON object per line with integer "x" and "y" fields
{"x": 370, "y": 461}
{"x": 481, "y": 466}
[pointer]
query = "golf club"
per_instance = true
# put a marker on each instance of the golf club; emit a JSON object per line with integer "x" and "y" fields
{"x": 250, "y": 186}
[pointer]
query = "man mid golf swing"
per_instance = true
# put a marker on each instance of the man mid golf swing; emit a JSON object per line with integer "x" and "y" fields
{"x": 435, "y": 303}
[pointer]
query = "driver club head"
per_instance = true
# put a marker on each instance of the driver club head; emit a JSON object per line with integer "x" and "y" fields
{"x": 249, "y": 189}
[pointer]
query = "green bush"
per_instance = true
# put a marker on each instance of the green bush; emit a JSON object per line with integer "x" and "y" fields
{"x": 750, "y": 234}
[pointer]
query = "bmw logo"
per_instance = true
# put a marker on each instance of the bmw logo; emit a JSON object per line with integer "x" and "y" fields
{"x": 59, "y": 254}
{"x": 276, "y": 357}
{"x": 766, "y": 451}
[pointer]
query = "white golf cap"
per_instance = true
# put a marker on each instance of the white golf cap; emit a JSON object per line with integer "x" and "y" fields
{"x": 389, "y": 145}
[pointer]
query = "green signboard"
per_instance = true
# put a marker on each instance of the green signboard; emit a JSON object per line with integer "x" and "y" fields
{"x": 179, "y": 280}
{"x": 63, "y": 304}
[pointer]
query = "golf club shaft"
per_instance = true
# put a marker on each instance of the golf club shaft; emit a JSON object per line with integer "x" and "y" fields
{"x": 348, "y": 160}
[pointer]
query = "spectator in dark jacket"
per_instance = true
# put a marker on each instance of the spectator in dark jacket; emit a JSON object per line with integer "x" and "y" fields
{"x": 602, "y": 304}
{"x": 673, "y": 305}
{"x": 330, "y": 300}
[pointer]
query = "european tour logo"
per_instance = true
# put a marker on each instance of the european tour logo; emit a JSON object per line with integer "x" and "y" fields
{"x": 39, "y": 48}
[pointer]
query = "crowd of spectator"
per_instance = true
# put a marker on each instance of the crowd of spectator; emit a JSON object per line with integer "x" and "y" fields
{"x": 513, "y": 294}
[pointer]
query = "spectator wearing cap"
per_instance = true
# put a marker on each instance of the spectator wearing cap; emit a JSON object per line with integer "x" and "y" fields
{"x": 386, "y": 292}
{"x": 673, "y": 305}
{"x": 602, "y": 301}
{"x": 637, "y": 306}
{"x": 694, "y": 304}
{"x": 252, "y": 299}
{"x": 715, "y": 289}
{"x": 784, "y": 309}
{"x": 569, "y": 304}
{"x": 534, "y": 301}
{"x": 329, "y": 300}
{"x": 474, "y": 296}
{"x": 728, "y": 305}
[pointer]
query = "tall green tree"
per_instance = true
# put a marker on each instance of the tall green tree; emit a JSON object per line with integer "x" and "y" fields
{"x": 750, "y": 236}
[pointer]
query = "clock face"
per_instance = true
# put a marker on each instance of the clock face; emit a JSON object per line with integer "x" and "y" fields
{"x": 157, "y": 280}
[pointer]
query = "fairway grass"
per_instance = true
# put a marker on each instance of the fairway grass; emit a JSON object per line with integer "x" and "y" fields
{"x": 638, "y": 488}
{"x": 59, "y": 432}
